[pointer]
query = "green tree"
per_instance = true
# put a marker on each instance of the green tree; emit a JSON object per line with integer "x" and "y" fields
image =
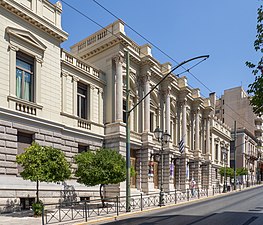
{"x": 256, "y": 88}
{"x": 229, "y": 172}
{"x": 101, "y": 167}
{"x": 241, "y": 171}
{"x": 43, "y": 164}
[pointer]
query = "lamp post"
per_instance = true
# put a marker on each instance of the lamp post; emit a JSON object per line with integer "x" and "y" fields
{"x": 162, "y": 137}
{"x": 129, "y": 110}
{"x": 224, "y": 151}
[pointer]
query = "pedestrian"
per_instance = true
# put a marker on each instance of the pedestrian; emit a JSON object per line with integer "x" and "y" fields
{"x": 193, "y": 186}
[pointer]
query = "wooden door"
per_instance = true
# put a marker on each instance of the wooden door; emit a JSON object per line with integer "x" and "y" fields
{"x": 155, "y": 175}
{"x": 133, "y": 179}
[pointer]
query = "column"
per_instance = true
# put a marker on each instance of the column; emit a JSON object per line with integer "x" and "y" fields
{"x": 12, "y": 68}
{"x": 90, "y": 103}
{"x": 75, "y": 95}
{"x": 119, "y": 89}
{"x": 161, "y": 124}
{"x": 208, "y": 135}
{"x": 167, "y": 111}
{"x": 197, "y": 129}
{"x": 37, "y": 81}
{"x": 147, "y": 103}
{"x": 100, "y": 116}
{"x": 184, "y": 123}
{"x": 64, "y": 91}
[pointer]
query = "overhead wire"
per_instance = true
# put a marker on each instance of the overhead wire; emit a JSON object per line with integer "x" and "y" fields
{"x": 127, "y": 25}
{"x": 185, "y": 70}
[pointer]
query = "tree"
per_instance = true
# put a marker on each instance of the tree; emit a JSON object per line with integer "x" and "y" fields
{"x": 104, "y": 166}
{"x": 242, "y": 171}
{"x": 229, "y": 172}
{"x": 43, "y": 164}
{"x": 256, "y": 88}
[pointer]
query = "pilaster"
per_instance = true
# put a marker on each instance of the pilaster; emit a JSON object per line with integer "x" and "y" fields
{"x": 119, "y": 87}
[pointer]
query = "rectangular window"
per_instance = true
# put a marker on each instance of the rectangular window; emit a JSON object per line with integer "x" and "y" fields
{"x": 24, "y": 76}
{"x": 216, "y": 155}
{"x": 83, "y": 148}
{"x": 24, "y": 140}
{"x": 124, "y": 107}
{"x": 151, "y": 121}
{"x": 82, "y": 100}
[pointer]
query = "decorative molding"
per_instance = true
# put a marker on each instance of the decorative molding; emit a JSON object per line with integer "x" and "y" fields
{"x": 13, "y": 47}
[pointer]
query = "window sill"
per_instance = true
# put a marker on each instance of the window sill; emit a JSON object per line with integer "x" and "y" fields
{"x": 24, "y": 105}
{"x": 82, "y": 123}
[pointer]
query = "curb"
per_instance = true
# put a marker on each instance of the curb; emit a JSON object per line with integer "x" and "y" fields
{"x": 128, "y": 214}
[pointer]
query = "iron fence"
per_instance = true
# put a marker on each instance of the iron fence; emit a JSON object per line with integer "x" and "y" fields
{"x": 82, "y": 210}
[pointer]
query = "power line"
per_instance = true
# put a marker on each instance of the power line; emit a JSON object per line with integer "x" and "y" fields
{"x": 186, "y": 70}
{"x": 127, "y": 25}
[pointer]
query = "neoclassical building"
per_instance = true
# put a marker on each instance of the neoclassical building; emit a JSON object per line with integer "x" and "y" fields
{"x": 173, "y": 106}
{"x": 75, "y": 101}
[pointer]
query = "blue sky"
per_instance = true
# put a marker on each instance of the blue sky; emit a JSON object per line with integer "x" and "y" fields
{"x": 224, "y": 29}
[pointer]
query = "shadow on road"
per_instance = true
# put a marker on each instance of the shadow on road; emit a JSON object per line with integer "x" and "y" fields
{"x": 225, "y": 218}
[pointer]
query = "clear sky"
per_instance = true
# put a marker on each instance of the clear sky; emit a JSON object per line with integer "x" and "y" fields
{"x": 183, "y": 29}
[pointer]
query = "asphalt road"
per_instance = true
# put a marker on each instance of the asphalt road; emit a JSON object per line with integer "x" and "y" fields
{"x": 240, "y": 208}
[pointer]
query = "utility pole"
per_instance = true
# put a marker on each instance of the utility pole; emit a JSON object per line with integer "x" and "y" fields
{"x": 128, "y": 154}
{"x": 235, "y": 168}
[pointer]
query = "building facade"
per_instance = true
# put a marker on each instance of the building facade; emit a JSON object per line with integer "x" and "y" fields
{"x": 234, "y": 106}
{"x": 173, "y": 106}
{"x": 75, "y": 101}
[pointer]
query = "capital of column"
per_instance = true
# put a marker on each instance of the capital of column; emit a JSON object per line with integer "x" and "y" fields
{"x": 118, "y": 59}
{"x": 13, "y": 48}
{"x": 64, "y": 74}
{"x": 75, "y": 79}
{"x": 182, "y": 102}
{"x": 39, "y": 60}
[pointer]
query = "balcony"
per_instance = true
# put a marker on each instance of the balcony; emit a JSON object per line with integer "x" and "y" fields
{"x": 259, "y": 128}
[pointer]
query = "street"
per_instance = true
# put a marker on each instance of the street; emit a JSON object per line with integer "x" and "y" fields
{"x": 240, "y": 208}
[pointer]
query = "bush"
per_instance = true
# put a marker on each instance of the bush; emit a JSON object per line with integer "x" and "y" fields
{"x": 37, "y": 208}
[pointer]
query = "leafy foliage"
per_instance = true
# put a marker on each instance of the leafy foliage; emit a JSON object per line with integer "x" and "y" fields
{"x": 37, "y": 208}
{"x": 229, "y": 172}
{"x": 104, "y": 166}
{"x": 256, "y": 88}
{"x": 241, "y": 171}
{"x": 43, "y": 164}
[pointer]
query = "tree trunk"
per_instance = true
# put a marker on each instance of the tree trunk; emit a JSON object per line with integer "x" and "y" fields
{"x": 37, "y": 191}
{"x": 101, "y": 195}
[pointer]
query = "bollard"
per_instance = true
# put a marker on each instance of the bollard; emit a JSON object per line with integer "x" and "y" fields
{"x": 213, "y": 190}
{"x": 187, "y": 193}
{"x": 141, "y": 202}
{"x": 117, "y": 205}
{"x": 43, "y": 215}
{"x": 198, "y": 193}
{"x": 175, "y": 197}
{"x": 85, "y": 208}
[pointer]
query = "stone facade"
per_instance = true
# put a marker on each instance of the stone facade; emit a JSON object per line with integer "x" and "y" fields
{"x": 173, "y": 106}
{"x": 75, "y": 101}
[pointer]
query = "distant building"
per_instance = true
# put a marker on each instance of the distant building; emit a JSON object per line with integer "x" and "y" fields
{"x": 234, "y": 106}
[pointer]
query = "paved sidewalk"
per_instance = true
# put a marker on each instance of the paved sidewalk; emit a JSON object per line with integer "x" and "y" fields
{"x": 20, "y": 218}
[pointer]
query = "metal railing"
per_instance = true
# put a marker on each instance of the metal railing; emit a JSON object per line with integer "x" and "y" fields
{"x": 82, "y": 210}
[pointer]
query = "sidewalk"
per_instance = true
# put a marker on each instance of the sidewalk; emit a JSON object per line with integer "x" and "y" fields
{"x": 20, "y": 218}
{"x": 27, "y": 218}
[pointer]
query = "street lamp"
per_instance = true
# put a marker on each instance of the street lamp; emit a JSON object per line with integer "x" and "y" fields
{"x": 162, "y": 137}
{"x": 224, "y": 151}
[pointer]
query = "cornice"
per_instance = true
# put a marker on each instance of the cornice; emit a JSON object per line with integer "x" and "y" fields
{"x": 32, "y": 18}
